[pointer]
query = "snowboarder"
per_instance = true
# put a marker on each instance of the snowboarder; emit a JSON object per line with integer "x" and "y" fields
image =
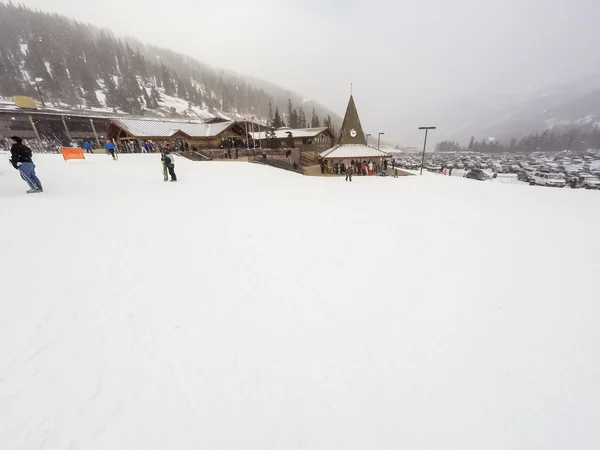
{"x": 87, "y": 145}
{"x": 169, "y": 164}
{"x": 110, "y": 149}
{"x": 21, "y": 160}
{"x": 349, "y": 173}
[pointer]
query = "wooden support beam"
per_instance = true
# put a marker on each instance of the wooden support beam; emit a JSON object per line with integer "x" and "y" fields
{"x": 34, "y": 129}
{"x": 66, "y": 129}
{"x": 95, "y": 134}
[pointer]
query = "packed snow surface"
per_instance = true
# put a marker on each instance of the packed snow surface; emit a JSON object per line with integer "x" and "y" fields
{"x": 245, "y": 307}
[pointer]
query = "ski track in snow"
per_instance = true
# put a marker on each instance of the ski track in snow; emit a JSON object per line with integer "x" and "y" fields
{"x": 248, "y": 307}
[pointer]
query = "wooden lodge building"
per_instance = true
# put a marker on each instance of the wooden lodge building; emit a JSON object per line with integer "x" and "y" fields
{"x": 304, "y": 139}
{"x": 197, "y": 135}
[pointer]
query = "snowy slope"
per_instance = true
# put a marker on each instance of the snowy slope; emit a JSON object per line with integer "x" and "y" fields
{"x": 247, "y": 307}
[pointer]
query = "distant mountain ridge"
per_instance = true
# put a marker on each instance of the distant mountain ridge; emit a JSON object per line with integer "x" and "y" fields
{"x": 80, "y": 66}
{"x": 555, "y": 108}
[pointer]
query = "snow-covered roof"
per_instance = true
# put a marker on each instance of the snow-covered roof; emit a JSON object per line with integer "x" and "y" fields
{"x": 353, "y": 151}
{"x": 167, "y": 128}
{"x": 296, "y": 132}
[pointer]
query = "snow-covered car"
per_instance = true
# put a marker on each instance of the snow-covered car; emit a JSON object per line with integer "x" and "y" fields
{"x": 589, "y": 182}
{"x": 514, "y": 168}
{"x": 477, "y": 174}
{"x": 549, "y": 179}
{"x": 572, "y": 178}
{"x": 524, "y": 176}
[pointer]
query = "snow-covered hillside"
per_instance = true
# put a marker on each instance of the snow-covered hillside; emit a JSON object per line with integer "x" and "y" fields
{"x": 247, "y": 307}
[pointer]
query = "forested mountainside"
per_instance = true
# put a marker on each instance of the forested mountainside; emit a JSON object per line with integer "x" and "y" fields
{"x": 71, "y": 64}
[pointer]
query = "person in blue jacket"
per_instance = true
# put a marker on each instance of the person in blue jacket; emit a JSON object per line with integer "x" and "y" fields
{"x": 87, "y": 145}
{"x": 110, "y": 148}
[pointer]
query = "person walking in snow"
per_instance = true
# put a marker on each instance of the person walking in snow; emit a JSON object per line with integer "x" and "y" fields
{"x": 349, "y": 172}
{"x": 169, "y": 163}
{"x": 87, "y": 145}
{"x": 163, "y": 160}
{"x": 21, "y": 160}
{"x": 110, "y": 148}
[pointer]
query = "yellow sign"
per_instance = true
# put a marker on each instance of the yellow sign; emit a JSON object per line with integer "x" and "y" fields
{"x": 23, "y": 101}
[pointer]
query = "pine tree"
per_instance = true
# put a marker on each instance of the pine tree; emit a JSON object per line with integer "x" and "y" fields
{"x": 294, "y": 119}
{"x": 181, "y": 90}
{"x": 112, "y": 99}
{"x": 291, "y": 120}
{"x": 147, "y": 99}
{"x": 270, "y": 116}
{"x": 167, "y": 81}
{"x": 301, "y": 119}
{"x": 155, "y": 96}
{"x": 277, "y": 120}
{"x": 314, "y": 121}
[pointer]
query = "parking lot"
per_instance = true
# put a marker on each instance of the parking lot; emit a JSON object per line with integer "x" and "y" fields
{"x": 566, "y": 169}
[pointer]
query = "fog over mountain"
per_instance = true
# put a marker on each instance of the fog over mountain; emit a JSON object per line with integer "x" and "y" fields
{"x": 465, "y": 66}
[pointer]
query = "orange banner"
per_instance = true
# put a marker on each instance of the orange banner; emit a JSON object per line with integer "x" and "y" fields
{"x": 72, "y": 153}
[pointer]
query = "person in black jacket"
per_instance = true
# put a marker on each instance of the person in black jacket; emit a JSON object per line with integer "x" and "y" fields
{"x": 169, "y": 164}
{"x": 21, "y": 160}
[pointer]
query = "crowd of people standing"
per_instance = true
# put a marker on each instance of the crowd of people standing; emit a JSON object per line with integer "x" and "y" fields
{"x": 357, "y": 167}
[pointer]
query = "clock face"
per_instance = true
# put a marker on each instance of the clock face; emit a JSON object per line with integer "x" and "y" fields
{"x": 353, "y": 132}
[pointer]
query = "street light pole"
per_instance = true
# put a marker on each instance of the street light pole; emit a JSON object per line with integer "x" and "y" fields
{"x": 379, "y": 139}
{"x": 424, "y": 145}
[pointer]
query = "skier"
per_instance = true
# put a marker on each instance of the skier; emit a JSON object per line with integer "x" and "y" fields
{"x": 110, "y": 148}
{"x": 168, "y": 164}
{"x": 87, "y": 145}
{"x": 148, "y": 146}
{"x": 21, "y": 160}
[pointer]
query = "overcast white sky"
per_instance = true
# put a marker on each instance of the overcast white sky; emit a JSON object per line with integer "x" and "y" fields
{"x": 408, "y": 59}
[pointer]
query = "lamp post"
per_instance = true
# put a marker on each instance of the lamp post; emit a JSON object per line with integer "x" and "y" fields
{"x": 424, "y": 145}
{"x": 379, "y": 139}
{"x": 39, "y": 89}
{"x": 367, "y": 138}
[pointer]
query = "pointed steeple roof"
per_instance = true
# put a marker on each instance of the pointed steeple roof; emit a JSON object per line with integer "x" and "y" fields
{"x": 352, "y": 132}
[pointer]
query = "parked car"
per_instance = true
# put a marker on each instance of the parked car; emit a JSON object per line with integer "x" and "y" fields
{"x": 572, "y": 178}
{"x": 588, "y": 181}
{"x": 549, "y": 179}
{"x": 477, "y": 174}
{"x": 524, "y": 176}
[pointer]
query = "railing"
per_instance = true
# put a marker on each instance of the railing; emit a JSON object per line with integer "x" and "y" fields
{"x": 278, "y": 162}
